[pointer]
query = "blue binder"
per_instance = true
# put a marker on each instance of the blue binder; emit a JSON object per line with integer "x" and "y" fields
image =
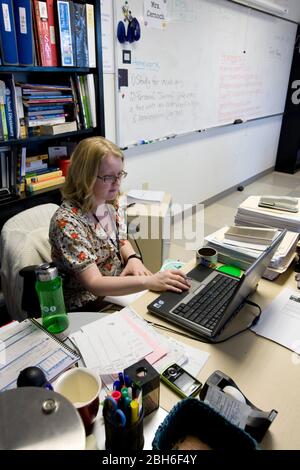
{"x": 23, "y": 23}
{"x": 8, "y": 33}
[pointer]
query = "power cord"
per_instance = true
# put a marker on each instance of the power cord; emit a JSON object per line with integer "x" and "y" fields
{"x": 137, "y": 229}
{"x": 138, "y": 249}
{"x": 204, "y": 340}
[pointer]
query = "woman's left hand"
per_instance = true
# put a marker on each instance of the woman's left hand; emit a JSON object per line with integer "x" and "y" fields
{"x": 135, "y": 267}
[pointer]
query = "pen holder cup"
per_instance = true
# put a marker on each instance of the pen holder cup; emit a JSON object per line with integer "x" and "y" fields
{"x": 118, "y": 438}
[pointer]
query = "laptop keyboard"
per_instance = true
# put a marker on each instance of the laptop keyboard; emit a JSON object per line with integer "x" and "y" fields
{"x": 207, "y": 307}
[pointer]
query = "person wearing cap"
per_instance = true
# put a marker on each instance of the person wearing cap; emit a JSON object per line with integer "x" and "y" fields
{"x": 88, "y": 233}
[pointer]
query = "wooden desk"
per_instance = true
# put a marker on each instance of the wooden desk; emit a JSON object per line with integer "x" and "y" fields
{"x": 263, "y": 370}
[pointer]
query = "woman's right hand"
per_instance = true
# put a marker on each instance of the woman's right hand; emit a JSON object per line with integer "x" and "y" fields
{"x": 173, "y": 280}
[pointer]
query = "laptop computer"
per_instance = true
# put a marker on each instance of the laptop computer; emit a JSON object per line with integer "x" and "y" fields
{"x": 214, "y": 297}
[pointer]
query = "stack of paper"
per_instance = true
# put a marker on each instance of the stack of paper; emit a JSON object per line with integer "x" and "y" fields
{"x": 261, "y": 236}
{"x": 144, "y": 197}
{"x": 243, "y": 254}
{"x": 250, "y": 214}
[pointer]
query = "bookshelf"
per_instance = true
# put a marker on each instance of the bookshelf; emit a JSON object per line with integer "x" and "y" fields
{"x": 34, "y": 145}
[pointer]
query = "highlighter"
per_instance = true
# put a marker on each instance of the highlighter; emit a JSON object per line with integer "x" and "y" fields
{"x": 134, "y": 411}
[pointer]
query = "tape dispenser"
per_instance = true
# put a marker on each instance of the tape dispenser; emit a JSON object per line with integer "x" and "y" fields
{"x": 223, "y": 394}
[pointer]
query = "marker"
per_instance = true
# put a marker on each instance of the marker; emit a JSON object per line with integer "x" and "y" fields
{"x": 117, "y": 385}
{"x": 116, "y": 395}
{"x": 120, "y": 418}
{"x": 134, "y": 411}
{"x": 238, "y": 121}
{"x": 110, "y": 406}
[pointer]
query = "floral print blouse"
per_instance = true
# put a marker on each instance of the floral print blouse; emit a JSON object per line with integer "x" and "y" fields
{"x": 77, "y": 241}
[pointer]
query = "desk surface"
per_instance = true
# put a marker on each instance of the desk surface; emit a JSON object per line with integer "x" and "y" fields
{"x": 262, "y": 369}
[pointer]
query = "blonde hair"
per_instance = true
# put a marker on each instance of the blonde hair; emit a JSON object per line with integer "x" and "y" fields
{"x": 83, "y": 170}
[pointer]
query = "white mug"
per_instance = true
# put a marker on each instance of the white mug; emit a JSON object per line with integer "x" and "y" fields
{"x": 81, "y": 386}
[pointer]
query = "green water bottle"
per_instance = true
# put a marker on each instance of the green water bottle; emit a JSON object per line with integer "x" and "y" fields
{"x": 49, "y": 290}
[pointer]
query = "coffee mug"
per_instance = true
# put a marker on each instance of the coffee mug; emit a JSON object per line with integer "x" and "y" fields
{"x": 81, "y": 386}
{"x": 207, "y": 256}
{"x": 64, "y": 164}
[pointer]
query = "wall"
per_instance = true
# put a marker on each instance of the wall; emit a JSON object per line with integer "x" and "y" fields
{"x": 196, "y": 167}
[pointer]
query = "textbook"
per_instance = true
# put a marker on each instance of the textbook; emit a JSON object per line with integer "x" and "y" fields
{"x": 29, "y": 344}
{"x": 54, "y": 129}
{"x": 43, "y": 177}
{"x": 47, "y": 183}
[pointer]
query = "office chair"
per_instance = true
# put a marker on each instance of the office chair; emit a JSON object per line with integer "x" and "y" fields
{"x": 24, "y": 244}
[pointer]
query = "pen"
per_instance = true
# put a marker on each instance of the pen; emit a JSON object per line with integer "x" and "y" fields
{"x": 121, "y": 378}
{"x": 140, "y": 401}
{"x": 127, "y": 380}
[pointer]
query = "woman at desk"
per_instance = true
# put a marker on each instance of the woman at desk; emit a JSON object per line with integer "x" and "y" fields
{"x": 88, "y": 233}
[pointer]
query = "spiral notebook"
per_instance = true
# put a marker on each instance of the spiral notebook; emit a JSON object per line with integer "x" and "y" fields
{"x": 29, "y": 344}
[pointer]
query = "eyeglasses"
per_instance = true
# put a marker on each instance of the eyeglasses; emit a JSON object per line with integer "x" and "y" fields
{"x": 113, "y": 178}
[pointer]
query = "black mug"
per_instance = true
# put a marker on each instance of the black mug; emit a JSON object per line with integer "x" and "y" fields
{"x": 123, "y": 438}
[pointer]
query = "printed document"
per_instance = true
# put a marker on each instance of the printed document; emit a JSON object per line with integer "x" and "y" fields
{"x": 280, "y": 321}
{"x": 118, "y": 340}
{"x": 28, "y": 344}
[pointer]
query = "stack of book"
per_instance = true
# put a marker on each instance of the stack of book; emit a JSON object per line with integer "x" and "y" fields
{"x": 249, "y": 213}
{"x": 45, "y": 180}
{"x": 46, "y": 105}
{"x": 240, "y": 246}
{"x": 28, "y": 109}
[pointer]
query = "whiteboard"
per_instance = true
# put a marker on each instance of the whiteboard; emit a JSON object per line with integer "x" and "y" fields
{"x": 209, "y": 63}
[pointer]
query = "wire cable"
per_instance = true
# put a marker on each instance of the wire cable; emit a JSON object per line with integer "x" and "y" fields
{"x": 138, "y": 249}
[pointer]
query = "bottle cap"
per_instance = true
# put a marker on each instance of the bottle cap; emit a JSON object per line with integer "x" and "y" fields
{"x": 46, "y": 272}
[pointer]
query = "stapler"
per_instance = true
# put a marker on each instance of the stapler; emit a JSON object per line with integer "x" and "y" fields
{"x": 257, "y": 421}
{"x": 281, "y": 203}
